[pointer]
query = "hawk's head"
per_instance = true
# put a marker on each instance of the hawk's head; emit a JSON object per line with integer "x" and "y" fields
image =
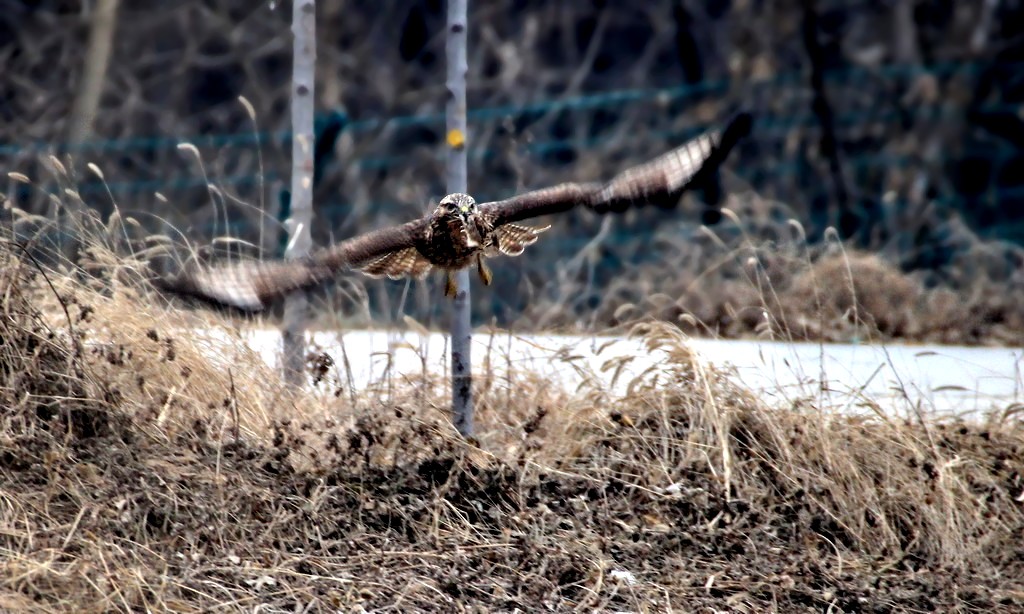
{"x": 457, "y": 205}
{"x": 461, "y": 209}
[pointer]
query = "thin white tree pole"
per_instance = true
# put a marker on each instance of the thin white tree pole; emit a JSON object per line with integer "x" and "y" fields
{"x": 83, "y": 112}
{"x": 94, "y": 70}
{"x": 461, "y": 329}
{"x": 296, "y": 307}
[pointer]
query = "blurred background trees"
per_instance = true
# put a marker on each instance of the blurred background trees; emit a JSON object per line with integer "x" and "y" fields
{"x": 898, "y": 122}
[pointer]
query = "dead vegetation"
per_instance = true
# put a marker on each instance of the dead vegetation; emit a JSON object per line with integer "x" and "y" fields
{"x": 142, "y": 467}
{"x": 756, "y": 274}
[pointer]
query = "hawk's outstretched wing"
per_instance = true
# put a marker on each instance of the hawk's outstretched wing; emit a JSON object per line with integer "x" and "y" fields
{"x": 660, "y": 182}
{"x": 252, "y": 285}
{"x": 391, "y": 251}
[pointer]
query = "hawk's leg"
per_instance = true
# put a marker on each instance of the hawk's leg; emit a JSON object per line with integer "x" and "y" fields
{"x": 450, "y": 287}
{"x": 485, "y": 272}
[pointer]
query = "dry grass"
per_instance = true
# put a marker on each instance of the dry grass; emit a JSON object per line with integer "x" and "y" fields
{"x": 143, "y": 468}
{"x": 757, "y": 275}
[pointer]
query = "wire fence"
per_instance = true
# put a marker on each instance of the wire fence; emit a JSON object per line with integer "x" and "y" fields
{"x": 894, "y": 149}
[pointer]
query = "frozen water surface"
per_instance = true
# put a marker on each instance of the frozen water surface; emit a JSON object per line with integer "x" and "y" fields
{"x": 896, "y": 377}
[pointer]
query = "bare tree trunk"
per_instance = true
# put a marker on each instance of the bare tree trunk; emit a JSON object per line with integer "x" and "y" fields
{"x": 94, "y": 71}
{"x": 461, "y": 328}
{"x": 904, "y": 41}
{"x": 296, "y": 308}
{"x": 83, "y": 114}
{"x": 687, "y": 50}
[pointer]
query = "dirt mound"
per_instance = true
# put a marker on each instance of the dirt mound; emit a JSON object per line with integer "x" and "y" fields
{"x": 165, "y": 495}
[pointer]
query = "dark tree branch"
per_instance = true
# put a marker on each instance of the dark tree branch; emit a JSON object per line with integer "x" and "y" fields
{"x": 687, "y": 50}
{"x": 826, "y": 118}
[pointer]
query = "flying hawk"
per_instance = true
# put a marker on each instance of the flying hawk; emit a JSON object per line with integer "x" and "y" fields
{"x": 460, "y": 233}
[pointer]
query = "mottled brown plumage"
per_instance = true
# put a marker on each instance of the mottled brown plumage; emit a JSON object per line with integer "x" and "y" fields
{"x": 459, "y": 233}
{"x": 455, "y": 236}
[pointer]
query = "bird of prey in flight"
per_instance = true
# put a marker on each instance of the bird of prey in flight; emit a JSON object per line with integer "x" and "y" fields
{"x": 460, "y": 233}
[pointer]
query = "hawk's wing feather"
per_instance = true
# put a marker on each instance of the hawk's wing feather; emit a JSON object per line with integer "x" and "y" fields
{"x": 357, "y": 252}
{"x": 248, "y": 285}
{"x": 512, "y": 239}
{"x": 252, "y": 285}
{"x": 661, "y": 181}
{"x": 406, "y": 262}
{"x": 548, "y": 201}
